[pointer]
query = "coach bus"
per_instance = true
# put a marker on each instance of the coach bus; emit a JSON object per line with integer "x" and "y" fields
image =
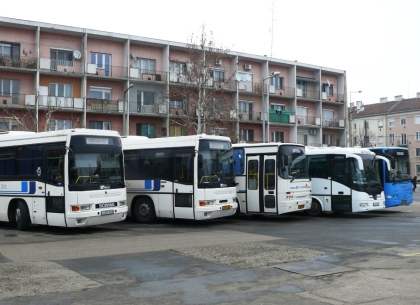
{"x": 344, "y": 180}
{"x": 396, "y": 182}
{"x": 68, "y": 178}
{"x": 271, "y": 178}
{"x": 186, "y": 177}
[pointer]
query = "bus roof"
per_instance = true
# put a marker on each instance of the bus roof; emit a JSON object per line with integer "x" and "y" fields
{"x": 388, "y": 147}
{"x": 14, "y": 136}
{"x": 135, "y": 140}
{"x": 271, "y": 144}
{"x": 310, "y": 150}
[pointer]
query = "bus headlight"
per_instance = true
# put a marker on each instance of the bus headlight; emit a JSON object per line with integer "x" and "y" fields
{"x": 364, "y": 205}
{"x": 122, "y": 203}
{"x": 85, "y": 207}
{"x": 77, "y": 208}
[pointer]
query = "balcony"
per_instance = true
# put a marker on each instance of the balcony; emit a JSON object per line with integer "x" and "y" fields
{"x": 147, "y": 75}
{"x": 308, "y": 94}
{"x": 334, "y": 123}
{"x": 62, "y": 66}
{"x": 45, "y": 101}
{"x": 282, "y": 116}
{"x": 102, "y": 105}
{"x": 19, "y": 62}
{"x": 335, "y": 98}
{"x": 307, "y": 120}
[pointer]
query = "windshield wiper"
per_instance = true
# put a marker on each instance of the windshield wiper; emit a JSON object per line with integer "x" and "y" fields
{"x": 297, "y": 175}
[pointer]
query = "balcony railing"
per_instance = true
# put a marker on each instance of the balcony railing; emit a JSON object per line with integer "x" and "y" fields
{"x": 64, "y": 66}
{"x": 18, "y": 62}
{"x": 155, "y": 109}
{"x": 308, "y": 120}
{"x": 103, "y": 105}
{"x": 334, "y": 123}
{"x": 308, "y": 94}
{"x": 148, "y": 75}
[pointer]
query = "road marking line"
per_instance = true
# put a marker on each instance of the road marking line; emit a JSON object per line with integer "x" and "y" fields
{"x": 412, "y": 254}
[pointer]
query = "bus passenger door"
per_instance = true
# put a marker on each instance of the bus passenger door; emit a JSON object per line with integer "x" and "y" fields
{"x": 253, "y": 184}
{"x": 269, "y": 184}
{"x": 183, "y": 186}
{"x": 54, "y": 186}
{"x": 340, "y": 190}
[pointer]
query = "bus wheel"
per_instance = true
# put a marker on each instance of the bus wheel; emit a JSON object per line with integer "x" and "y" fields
{"x": 315, "y": 209}
{"x": 144, "y": 210}
{"x": 22, "y": 216}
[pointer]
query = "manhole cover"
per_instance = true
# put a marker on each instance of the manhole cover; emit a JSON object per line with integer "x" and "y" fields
{"x": 313, "y": 268}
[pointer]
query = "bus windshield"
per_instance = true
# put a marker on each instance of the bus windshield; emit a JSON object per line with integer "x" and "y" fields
{"x": 95, "y": 160}
{"x": 292, "y": 162}
{"x": 369, "y": 176}
{"x": 401, "y": 171}
{"x": 215, "y": 163}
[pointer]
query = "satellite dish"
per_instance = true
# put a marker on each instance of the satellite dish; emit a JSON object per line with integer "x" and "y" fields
{"x": 133, "y": 55}
{"x": 328, "y": 83}
{"x": 238, "y": 77}
{"x": 77, "y": 54}
{"x": 248, "y": 77}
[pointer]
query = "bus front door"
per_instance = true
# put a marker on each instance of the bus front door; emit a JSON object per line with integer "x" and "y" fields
{"x": 54, "y": 186}
{"x": 340, "y": 190}
{"x": 261, "y": 195}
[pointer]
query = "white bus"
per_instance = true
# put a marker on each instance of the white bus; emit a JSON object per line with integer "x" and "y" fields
{"x": 187, "y": 177}
{"x": 68, "y": 178}
{"x": 344, "y": 180}
{"x": 271, "y": 178}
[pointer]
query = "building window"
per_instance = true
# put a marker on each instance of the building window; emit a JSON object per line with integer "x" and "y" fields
{"x": 328, "y": 139}
{"x": 146, "y": 65}
{"x": 391, "y": 138}
{"x": 380, "y": 124}
{"x": 328, "y": 117}
{"x": 417, "y": 120}
{"x": 302, "y": 85}
{"x": 391, "y": 123}
{"x": 5, "y": 51}
{"x": 10, "y": 53}
{"x": 100, "y": 93}
{"x": 176, "y": 104}
{"x": 277, "y": 136}
{"x": 9, "y": 124}
{"x": 61, "y": 58}
{"x": 175, "y": 131}
{"x": 355, "y": 126}
{"x": 9, "y": 88}
{"x": 100, "y": 125}
{"x": 402, "y": 121}
{"x": 417, "y": 169}
{"x": 61, "y": 90}
{"x": 329, "y": 89}
{"x": 403, "y": 139}
{"x": 417, "y": 153}
{"x": 103, "y": 62}
{"x": 63, "y": 124}
{"x": 178, "y": 68}
{"x": 145, "y": 101}
{"x": 247, "y": 135}
{"x": 245, "y": 109}
{"x": 218, "y": 75}
{"x": 380, "y": 139}
{"x": 278, "y": 107}
{"x": 277, "y": 82}
{"x": 417, "y": 136}
{"x": 146, "y": 130}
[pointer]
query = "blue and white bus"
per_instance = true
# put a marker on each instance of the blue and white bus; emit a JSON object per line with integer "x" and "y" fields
{"x": 396, "y": 182}
{"x": 271, "y": 178}
{"x": 67, "y": 178}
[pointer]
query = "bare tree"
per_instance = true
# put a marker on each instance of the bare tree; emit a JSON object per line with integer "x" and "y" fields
{"x": 198, "y": 96}
{"x": 364, "y": 136}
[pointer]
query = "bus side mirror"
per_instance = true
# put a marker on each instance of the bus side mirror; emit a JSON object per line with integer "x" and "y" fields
{"x": 200, "y": 161}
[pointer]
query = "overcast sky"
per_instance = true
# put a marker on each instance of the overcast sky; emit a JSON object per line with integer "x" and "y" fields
{"x": 376, "y": 41}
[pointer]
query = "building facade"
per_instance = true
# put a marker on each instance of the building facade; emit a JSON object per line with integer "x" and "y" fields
{"x": 55, "y": 77}
{"x": 393, "y": 123}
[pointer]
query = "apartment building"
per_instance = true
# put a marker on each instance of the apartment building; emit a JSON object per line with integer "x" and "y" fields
{"x": 56, "y": 77}
{"x": 389, "y": 123}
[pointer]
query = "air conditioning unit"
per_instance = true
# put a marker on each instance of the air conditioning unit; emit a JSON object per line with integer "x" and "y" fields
{"x": 312, "y": 131}
{"x": 247, "y": 67}
{"x": 218, "y": 62}
{"x": 324, "y": 95}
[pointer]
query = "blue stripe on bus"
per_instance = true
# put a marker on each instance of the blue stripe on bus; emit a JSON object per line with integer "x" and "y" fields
{"x": 156, "y": 185}
{"x": 26, "y": 187}
{"x": 242, "y": 191}
{"x": 148, "y": 184}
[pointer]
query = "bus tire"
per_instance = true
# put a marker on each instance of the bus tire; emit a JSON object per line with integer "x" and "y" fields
{"x": 238, "y": 210}
{"x": 144, "y": 210}
{"x": 315, "y": 209}
{"x": 22, "y": 217}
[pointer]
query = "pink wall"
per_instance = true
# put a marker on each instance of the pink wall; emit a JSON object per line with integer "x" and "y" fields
{"x": 116, "y": 87}
{"x": 115, "y": 48}
{"x": 26, "y": 81}
{"x": 53, "y": 40}
{"x": 26, "y": 38}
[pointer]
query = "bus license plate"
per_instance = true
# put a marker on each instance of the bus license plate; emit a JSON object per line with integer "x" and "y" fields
{"x": 301, "y": 206}
{"x": 376, "y": 204}
{"x": 226, "y": 207}
{"x": 107, "y": 212}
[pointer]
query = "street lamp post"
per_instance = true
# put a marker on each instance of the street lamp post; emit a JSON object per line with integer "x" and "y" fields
{"x": 126, "y": 112}
{"x": 265, "y": 114}
{"x": 350, "y": 112}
